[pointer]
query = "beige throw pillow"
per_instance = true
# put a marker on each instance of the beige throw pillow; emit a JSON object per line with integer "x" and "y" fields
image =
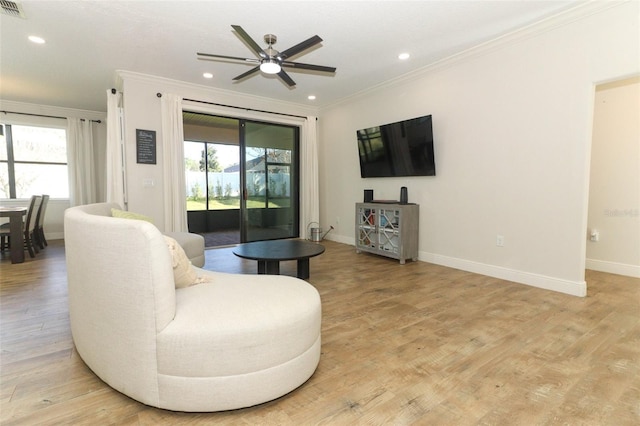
{"x": 183, "y": 273}
{"x": 129, "y": 215}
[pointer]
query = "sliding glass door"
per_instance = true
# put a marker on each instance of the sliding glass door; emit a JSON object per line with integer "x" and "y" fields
{"x": 270, "y": 178}
{"x": 242, "y": 179}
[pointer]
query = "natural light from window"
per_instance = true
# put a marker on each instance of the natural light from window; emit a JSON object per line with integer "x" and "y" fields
{"x": 39, "y": 162}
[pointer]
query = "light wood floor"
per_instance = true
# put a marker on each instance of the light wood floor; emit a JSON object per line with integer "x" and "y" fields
{"x": 412, "y": 344}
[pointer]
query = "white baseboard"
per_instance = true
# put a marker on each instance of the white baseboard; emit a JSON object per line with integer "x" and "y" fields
{"x": 614, "y": 268}
{"x": 574, "y": 288}
{"x": 54, "y": 235}
{"x": 342, "y": 239}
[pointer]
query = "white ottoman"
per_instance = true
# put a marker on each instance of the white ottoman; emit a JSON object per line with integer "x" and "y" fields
{"x": 192, "y": 244}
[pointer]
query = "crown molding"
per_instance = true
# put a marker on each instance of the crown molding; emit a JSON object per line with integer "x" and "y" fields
{"x": 216, "y": 95}
{"x": 550, "y": 23}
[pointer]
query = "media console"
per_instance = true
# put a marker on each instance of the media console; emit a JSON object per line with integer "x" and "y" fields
{"x": 388, "y": 229}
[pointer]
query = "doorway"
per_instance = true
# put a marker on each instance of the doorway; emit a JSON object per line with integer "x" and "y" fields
{"x": 613, "y": 228}
{"x": 242, "y": 179}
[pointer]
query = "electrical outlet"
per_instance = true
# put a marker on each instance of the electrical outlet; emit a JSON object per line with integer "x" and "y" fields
{"x": 500, "y": 241}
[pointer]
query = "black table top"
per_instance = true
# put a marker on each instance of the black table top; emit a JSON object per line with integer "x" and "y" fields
{"x": 278, "y": 250}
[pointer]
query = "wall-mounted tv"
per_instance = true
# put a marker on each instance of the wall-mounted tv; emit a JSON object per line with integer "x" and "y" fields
{"x": 404, "y": 148}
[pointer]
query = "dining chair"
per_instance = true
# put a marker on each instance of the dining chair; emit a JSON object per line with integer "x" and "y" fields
{"x": 38, "y": 232}
{"x": 28, "y": 228}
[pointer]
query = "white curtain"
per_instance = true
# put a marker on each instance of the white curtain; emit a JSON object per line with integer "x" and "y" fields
{"x": 309, "y": 188}
{"x": 80, "y": 160}
{"x": 115, "y": 151}
{"x": 175, "y": 202}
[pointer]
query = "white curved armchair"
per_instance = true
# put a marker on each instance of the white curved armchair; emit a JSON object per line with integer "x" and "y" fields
{"x": 234, "y": 342}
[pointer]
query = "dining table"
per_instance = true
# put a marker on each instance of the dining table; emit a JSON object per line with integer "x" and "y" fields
{"x": 15, "y": 215}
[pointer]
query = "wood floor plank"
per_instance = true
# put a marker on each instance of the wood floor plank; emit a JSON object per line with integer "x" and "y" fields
{"x": 401, "y": 344}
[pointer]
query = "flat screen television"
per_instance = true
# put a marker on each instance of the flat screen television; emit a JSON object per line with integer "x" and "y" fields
{"x": 404, "y": 148}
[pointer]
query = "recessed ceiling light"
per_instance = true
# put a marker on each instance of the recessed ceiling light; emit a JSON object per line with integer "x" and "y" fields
{"x": 403, "y": 56}
{"x": 311, "y": 97}
{"x": 36, "y": 39}
{"x": 207, "y": 75}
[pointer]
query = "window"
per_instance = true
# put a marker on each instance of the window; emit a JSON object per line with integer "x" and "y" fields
{"x": 213, "y": 184}
{"x": 33, "y": 160}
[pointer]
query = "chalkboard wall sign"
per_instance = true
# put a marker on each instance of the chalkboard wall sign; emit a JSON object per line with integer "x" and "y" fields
{"x": 145, "y": 146}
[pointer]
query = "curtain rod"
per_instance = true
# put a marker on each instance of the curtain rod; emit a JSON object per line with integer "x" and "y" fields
{"x": 237, "y": 107}
{"x": 45, "y": 116}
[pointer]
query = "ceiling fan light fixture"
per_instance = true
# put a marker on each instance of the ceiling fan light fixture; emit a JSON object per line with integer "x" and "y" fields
{"x": 268, "y": 60}
{"x": 270, "y": 66}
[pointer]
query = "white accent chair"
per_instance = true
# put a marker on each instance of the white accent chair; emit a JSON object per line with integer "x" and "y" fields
{"x": 233, "y": 342}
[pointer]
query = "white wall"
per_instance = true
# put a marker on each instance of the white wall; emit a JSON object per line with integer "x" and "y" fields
{"x": 614, "y": 196}
{"x": 512, "y": 131}
{"x": 142, "y": 111}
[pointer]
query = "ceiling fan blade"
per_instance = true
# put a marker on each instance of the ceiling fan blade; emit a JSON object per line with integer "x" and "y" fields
{"x": 285, "y": 77}
{"x": 300, "y": 47}
{"x": 248, "y": 73}
{"x": 252, "y": 44}
{"x": 311, "y": 67}
{"x": 212, "y": 57}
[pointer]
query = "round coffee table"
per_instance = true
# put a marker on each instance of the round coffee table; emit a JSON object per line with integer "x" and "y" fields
{"x": 270, "y": 253}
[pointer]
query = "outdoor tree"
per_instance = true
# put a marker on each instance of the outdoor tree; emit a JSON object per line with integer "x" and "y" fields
{"x": 4, "y": 185}
{"x": 255, "y": 152}
{"x": 23, "y": 184}
{"x": 196, "y": 192}
{"x": 191, "y": 165}
{"x": 211, "y": 161}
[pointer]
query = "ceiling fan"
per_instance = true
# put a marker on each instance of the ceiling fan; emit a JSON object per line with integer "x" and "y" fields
{"x": 269, "y": 60}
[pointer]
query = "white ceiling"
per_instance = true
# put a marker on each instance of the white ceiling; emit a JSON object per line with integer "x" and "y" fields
{"x": 87, "y": 41}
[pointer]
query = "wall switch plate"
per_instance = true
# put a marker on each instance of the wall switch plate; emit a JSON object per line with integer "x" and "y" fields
{"x": 500, "y": 241}
{"x": 148, "y": 183}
